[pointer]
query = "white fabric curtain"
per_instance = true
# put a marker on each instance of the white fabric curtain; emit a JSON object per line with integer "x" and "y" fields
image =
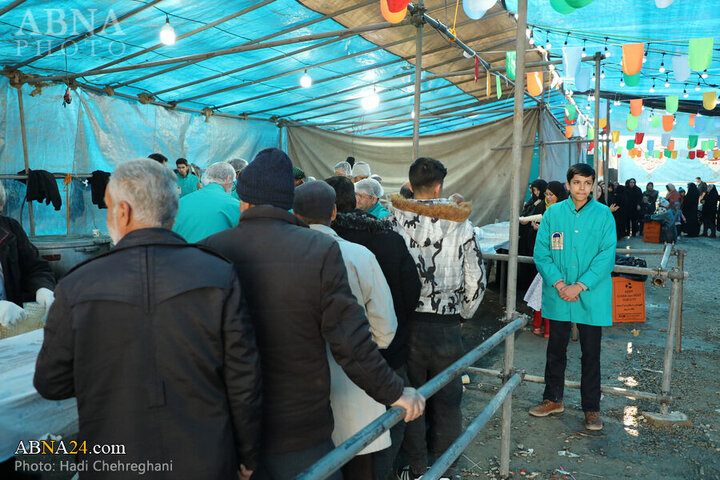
{"x": 476, "y": 171}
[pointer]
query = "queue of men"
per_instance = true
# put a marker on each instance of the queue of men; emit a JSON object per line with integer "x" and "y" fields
{"x": 250, "y": 337}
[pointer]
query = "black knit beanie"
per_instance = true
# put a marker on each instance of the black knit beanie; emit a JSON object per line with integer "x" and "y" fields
{"x": 268, "y": 180}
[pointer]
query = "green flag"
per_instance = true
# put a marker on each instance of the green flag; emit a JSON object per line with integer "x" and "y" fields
{"x": 671, "y": 104}
{"x": 510, "y": 64}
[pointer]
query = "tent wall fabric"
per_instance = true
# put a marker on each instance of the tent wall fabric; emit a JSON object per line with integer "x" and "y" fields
{"x": 96, "y": 132}
{"x": 474, "y": 169}
{"x": 556, "y": 159}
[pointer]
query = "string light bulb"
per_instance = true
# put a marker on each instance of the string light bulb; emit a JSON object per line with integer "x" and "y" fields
{"x": 667, "y": 81}
{"x": 652, "y": 89}
{"x": 602, "y": 73}
{"x": 646, "y": 53}
{"x": 622, "y": 82}
{"x": 704, "y": 74}
{"x": 662, "y": 64}
{"x": 583, "y": 50}
{"x": 548, "y": 45}
{"x": 607, "y": 52}
{"x": 685, "y": 93}
{"x": 697, "y": 89}
{"x": 306, "y": 80}
{"x": 167, "y": 33}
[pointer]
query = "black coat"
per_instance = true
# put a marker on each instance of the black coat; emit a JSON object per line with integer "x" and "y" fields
{"x": 297, "y": 289}
{"x": 24, "y": 271}
{"x": 690, "y": 211}
{"x": 710, "y": 204}
{"x": 154, "y": 340}
{"x": 397, "y": 265}
{"x": 633, "y": 199}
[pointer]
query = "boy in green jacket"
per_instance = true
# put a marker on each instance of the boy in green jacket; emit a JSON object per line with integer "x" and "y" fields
{"x": 575, "y": 253}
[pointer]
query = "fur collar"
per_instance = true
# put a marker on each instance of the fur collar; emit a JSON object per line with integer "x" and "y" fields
{"x": 359, "y": 220}
{"x": 445, "y": 211}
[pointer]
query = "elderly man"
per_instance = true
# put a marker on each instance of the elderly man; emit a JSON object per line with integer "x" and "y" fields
{"x": 297, "y": 289}
{"x": 342, "y": 169}
{"x": 360, "y": 171}
{"x": 211, "y": 209}
{"x": 24, "y": 276}
{"x": 352, "y": 408}
{"x": 367, "y": 193}
{"x": 154, "y": 340}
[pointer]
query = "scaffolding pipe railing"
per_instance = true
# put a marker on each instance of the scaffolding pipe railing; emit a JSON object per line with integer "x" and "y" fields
{"x": 455, "y": 450}
{"x": 343, "y": 453}
{"x": 617, "y": 391}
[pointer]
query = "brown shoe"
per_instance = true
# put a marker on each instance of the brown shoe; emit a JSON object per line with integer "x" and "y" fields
{"x": 546, "y": 408}
{"x": 593, "y": 421}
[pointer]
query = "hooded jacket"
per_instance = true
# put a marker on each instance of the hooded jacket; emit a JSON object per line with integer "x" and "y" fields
{"x": 397, "y": 265}
{"x": 447, "y": 256}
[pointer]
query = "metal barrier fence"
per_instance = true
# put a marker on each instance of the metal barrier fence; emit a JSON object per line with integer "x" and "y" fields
{"x": 511, "y": 379}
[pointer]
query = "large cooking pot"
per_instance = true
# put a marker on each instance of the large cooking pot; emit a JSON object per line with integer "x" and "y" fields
{"x": 63, "y": 252}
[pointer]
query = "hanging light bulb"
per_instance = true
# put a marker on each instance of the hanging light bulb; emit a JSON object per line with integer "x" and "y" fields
{"x": 591, "y": 98}
{"x": 167, "y": 33}
{"x": 592, "y": 79}
{"x": 306, "y": 80}
{"x": 607, "y": 52}
{"x": 531, "y": 40}
{"x": 697, "y": 89}
{"x": 548, "y": 45}
{"x": 616, "y": 103}
{"x": 587, "y": 107}
{"x": 602, "y": 73}
{"x": 704, "y": 74}
{"x": 370, "y": 101}
{"x": 685, "y": 94}
{"x": 667, "y": 81}
{"x": 652, "y": 89}
{"x": 622, "y": 82}
{"x": 646, "y": 52}
{"x": 662, "y": 64}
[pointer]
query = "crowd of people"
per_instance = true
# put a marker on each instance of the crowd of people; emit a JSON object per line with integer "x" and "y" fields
{"x": 263, "y": 317}
{"x": 266, "y": 329}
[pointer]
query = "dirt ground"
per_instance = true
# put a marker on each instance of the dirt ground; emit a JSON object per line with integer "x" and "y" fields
{"x": 628, "y": 446}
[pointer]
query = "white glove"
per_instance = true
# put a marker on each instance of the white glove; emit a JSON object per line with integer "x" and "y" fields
{"x": 45, "y": 297}
{"x": 10, "y": 314}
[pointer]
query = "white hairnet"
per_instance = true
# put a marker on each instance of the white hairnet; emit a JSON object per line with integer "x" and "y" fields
{"x": 361, "y": 169}
{"x": 345, "y": 167}
{"x": 370, "y": 187}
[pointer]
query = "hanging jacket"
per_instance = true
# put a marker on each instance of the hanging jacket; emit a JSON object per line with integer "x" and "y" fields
{"x": 41, "y": 185}
{"x": 98, "y": 184}
{"x": 442, "y": 242}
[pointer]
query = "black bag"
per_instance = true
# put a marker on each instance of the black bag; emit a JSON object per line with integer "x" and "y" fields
{"x": 630, "y": 262}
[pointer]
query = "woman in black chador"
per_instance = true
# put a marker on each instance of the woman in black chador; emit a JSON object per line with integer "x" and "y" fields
{"x": 633, "y": 197}
{"x": 617, "y": 197}
{"x": 709, "y": 211}
{"x": 526, "y": 244}
{"x": 690, "y": 210}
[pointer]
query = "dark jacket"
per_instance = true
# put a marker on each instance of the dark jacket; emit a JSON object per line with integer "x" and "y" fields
{"x": 397, "y": 265}
{"x": 154, "y": 340}
{"x": 710, "y": 204}
{"x": 690, "y": 210}
{"x": 633, "y": 196}
{"x": 297, "y": 290}
{"x": 42, "y": 185}
{"x": 24, "y": 271}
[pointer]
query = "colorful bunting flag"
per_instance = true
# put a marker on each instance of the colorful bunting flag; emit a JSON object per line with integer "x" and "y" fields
{"x": 632, "y": 58}
{"x": 671, "y": 104}
{"x": 700, "y": 53}
{"x": 636, "y": 107}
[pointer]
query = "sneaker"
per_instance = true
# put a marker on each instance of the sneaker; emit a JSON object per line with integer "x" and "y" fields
{"x": 537, "y": 331}
{"x": 593, "y": 421}
{"x": 546, "y": 408}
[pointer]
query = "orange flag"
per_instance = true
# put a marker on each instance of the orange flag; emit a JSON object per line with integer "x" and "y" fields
{"x": 603, "y": 123}
{"x": 632, "y": 58}
{"x": 668, "y": 122}
{"x": 535, "y": 83}
{"x": 671, "y": 145}
{"x": 691, "y": 120}
{"x": 674, "y": 154}
{"x": 636, "y": 107}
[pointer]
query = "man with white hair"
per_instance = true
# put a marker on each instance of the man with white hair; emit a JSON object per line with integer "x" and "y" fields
{"x": 24, "y": 275}
{"x": 211, "y": 209}
{"x": 367, "y": 194}
{"x": 360, "y": 171}
{"x": 342, "y": 169}
{"x": 156, "y": 343}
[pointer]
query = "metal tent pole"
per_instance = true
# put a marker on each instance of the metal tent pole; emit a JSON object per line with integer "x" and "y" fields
{"x": 23, "y": 131}
{"x": 418, "y": 17}
{"x": 596, "y": 127}
{"x": 517, "y": 152}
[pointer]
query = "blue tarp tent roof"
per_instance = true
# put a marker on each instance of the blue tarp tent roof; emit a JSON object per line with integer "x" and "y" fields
{"x": 262, "y": 82}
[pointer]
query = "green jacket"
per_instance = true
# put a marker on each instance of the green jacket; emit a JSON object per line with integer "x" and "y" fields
{"x": 187, "y": 184}
{"x": 378, "y": 211}
{"x": 205, "y": 212}
{"x": 577, "y": 247}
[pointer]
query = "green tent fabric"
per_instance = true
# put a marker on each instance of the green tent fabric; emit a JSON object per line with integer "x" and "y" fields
{"x": 700, "y": 53}
{"x": 655, "y": 121}
{"x": 671, "y": 104}
{"x": 561, "y": 6}
{"x": 631, "y": 80}
{"x": 632, "y": 122}
{"x": 510, "y": 57}
{"x": 692, "y": 141}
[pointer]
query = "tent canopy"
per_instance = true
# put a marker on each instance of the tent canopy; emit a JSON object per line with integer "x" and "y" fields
{"x": 246, "y": 58}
